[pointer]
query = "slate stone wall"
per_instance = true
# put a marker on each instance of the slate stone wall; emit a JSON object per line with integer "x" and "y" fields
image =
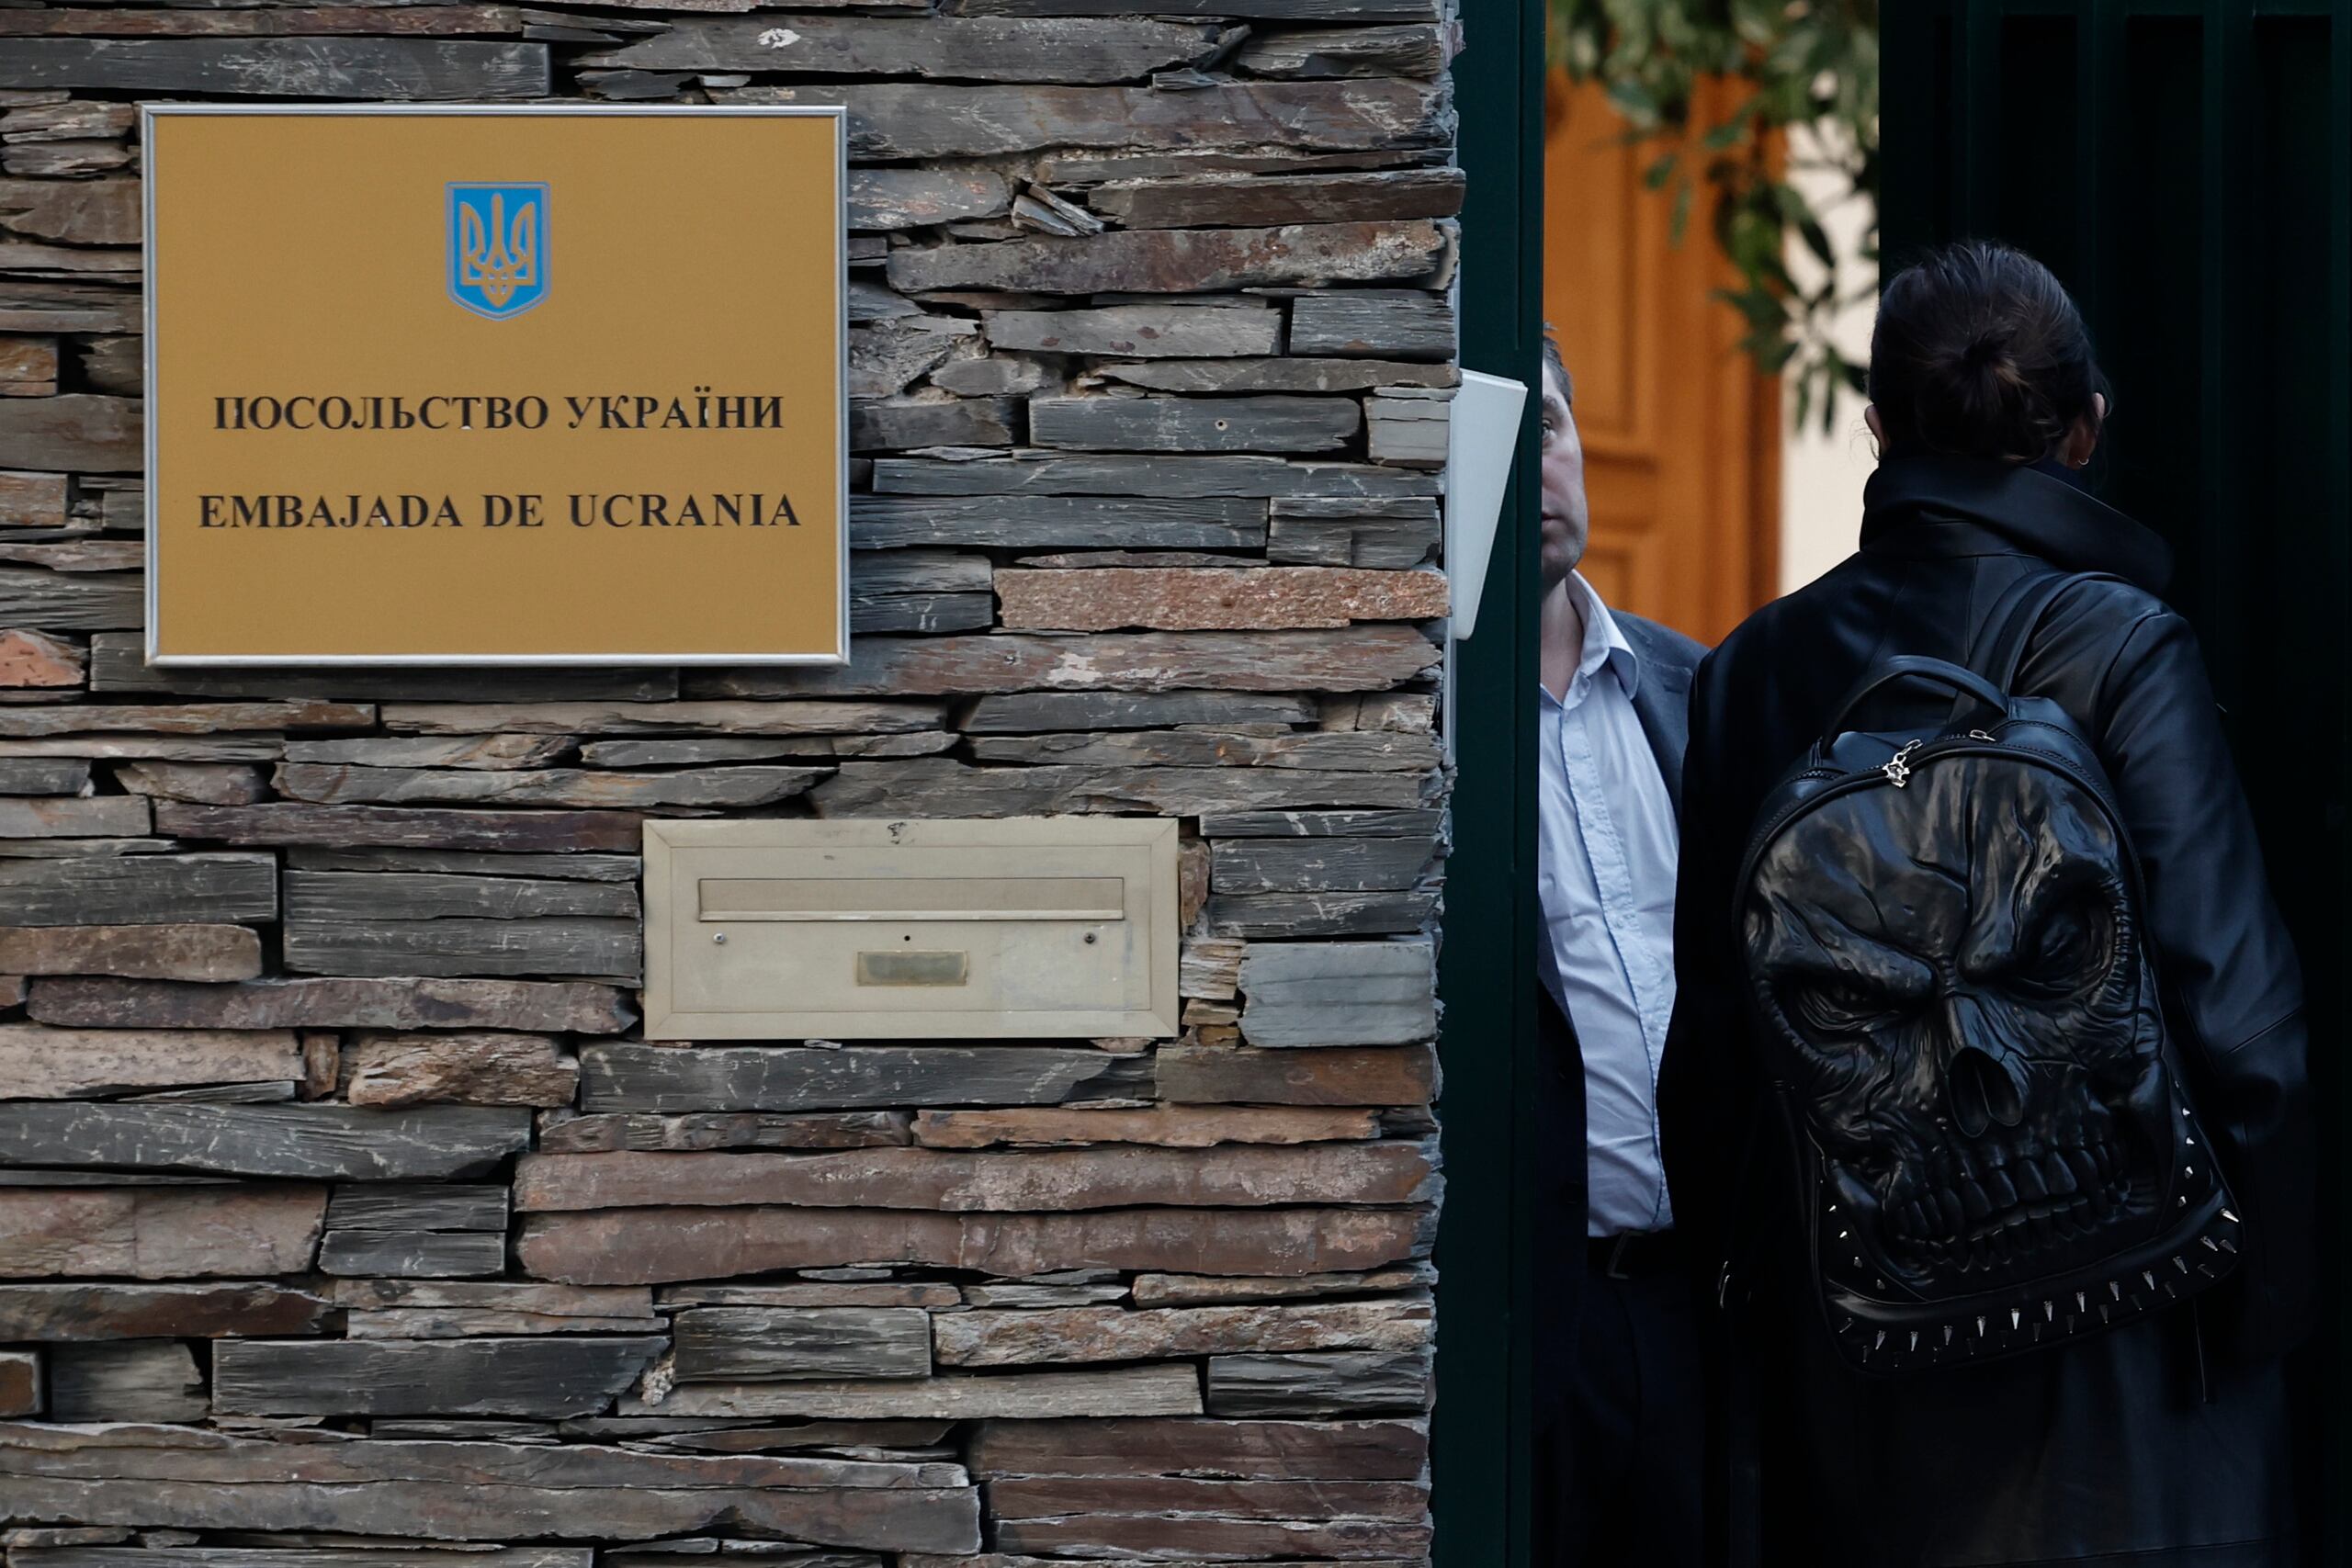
{"x": 345, "y": 1219}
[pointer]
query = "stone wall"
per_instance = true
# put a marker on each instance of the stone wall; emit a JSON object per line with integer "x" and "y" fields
{"x": 345, "y": 1219}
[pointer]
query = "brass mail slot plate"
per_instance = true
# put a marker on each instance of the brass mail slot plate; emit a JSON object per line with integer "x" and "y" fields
{"x": 897, "y": 929}
{"x": 914, "y": 898}
{"x": 913, "y": 968}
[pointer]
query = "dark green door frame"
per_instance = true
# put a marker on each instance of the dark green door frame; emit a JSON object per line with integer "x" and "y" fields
{"x": 1486, "y": 975}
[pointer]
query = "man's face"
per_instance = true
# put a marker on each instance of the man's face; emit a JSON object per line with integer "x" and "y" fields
{"x": 1566, "y": 523}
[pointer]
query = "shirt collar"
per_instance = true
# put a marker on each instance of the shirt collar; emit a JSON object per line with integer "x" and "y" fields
{"x": 1604, "y": 639}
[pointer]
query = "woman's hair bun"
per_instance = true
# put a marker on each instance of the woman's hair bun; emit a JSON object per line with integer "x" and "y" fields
{"x": 1978, "y": 351}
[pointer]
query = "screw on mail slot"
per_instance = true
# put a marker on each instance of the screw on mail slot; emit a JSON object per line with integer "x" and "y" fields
{"x": 900, "y": 967}
{"x": 913, "y": 898}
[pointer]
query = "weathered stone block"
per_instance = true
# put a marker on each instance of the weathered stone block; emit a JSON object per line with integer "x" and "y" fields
{"x": 425, "y": 1255}
{"x": 1180, "y": 260}
{"x": 40, "y": 1063}
{"x": 1403, "y": 1075}
{"x": 293, "y": 823}
{"x": 31, "y": 659}
{"x": 140, "y": 889}
{"x": 725, "y": 1130}
{"x": 900, "y": 120}
{"x": 342, "y": 1142}
{"x": 530, "y": 1376}
{"x": 1127, "y": 1390}
{"x": 1184, "y": 1127}
{"x": 1171, "y": 331}
{"x": 490, "y": 751}
{"x": 625, "y": 1246}
{"x": 474, "y": 1068}
{"x": 1058, "y": 473}
{"x": 1289, "y": 1451}
{"x": 117, "y": 1310}
{"x": 125, "y": 1380}
{"x": 1195, "y": 424}
{"x": 1368, "y": 993}
{"x": 957, "y": 1181}
{"x": 211, "y": 783}
{"x": 977, "y": 49}
{"x": 535, "y": 1006}
{"x": 1394, "y": 323}
{"x": 20, "y": 1387}
{"x": 396, "y": 68}
{"x": 1323, "y": 914}
{"x": 1052, "y": 522}
{"x": 1212, "y": 1538}
{"x": 1193, "y": 1289}
{"x": 750, "y": 1344}
{"x": 1347, "y": 1383}
{"x": 1402, "y": 49}
{"x": 754, "y": 1078}
{"x": 1259, "y": 598}
{"x": 1382, "y": 194}
{"x": 1116, "y": 1333}
{"x": 167, "y": 1479}
{"x": 43, "y": 775}
{"x": 153, "y": 953}
{"x": 693, "y": 789}
{"x": 76, "y": 432}
{"x": 942, "y": 786}
{"x": 158, "y": 1233}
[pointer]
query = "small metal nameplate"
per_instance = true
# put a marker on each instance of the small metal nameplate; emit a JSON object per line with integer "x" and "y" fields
{"x": 901, "y": 968}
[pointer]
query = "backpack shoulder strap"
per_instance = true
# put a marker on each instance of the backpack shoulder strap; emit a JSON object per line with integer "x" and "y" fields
{"x": 2016, "y": 617}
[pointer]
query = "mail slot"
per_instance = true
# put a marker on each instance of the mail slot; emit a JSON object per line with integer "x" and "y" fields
{"x": 914, "y": 898}
{"x": 1023, "y": 926}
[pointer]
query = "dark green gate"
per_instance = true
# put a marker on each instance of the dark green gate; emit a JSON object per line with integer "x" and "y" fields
{"x": 2185, "y": 167}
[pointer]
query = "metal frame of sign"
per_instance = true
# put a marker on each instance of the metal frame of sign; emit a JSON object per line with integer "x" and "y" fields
{"x": 149, "y": 112}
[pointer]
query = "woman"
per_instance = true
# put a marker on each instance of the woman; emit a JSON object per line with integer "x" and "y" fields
{"x": 2162, "y": 1441}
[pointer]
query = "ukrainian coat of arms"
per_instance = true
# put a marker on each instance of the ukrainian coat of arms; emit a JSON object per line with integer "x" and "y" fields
{"x": 498, "y": 248}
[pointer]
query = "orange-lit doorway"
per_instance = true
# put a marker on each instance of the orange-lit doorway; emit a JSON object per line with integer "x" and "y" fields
{"x": 1681, "y": 434}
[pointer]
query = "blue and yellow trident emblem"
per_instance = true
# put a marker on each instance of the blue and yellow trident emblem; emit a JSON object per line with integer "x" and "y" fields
{"x": 498, "y": 248}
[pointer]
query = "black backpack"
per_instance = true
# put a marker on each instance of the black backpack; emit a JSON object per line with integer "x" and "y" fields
{"x": 1963, "y": 1028}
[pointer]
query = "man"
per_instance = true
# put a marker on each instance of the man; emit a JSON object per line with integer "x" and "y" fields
{"x": 1619, "y": 1419}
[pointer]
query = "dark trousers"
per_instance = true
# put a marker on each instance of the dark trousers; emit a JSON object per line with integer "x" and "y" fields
{"x": 1618, "y": 1477}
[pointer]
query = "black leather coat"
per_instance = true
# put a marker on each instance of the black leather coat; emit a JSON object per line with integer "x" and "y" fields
{"x": 2101, "y": 1449}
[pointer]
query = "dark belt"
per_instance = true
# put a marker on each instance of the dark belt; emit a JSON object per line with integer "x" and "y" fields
{"x": 1632, "y": 1255}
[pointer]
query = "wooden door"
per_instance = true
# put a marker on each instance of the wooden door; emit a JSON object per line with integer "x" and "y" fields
{"x": 1681, "y": 434}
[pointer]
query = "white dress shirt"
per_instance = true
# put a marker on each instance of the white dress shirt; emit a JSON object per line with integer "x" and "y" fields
{"x": 1606, "y": 844}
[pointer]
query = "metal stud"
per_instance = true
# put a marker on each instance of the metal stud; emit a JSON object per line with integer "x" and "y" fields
{"x": 2016, "y": 1317}
{"x": 1915, "y": 1339}
{"x": 2082, "y": 1303}
{"x": 1947, "y": 1333}
{"x": 2149, "y": 1275}
{"x": 1880, "y": 1340}
{"x": 2227, "y": 1216}
{"x": 1980, "y": 1328}
{"x": 2208, "y": 1244}
{"x": 2049, "y": 1312}
{"x": 2178, "y": 1264}
{"x": 2115, "y": 1289}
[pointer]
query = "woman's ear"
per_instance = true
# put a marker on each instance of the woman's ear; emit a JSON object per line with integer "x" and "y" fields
{"x": 1878, "y": 428}
{"x": 2082, "y": 439}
